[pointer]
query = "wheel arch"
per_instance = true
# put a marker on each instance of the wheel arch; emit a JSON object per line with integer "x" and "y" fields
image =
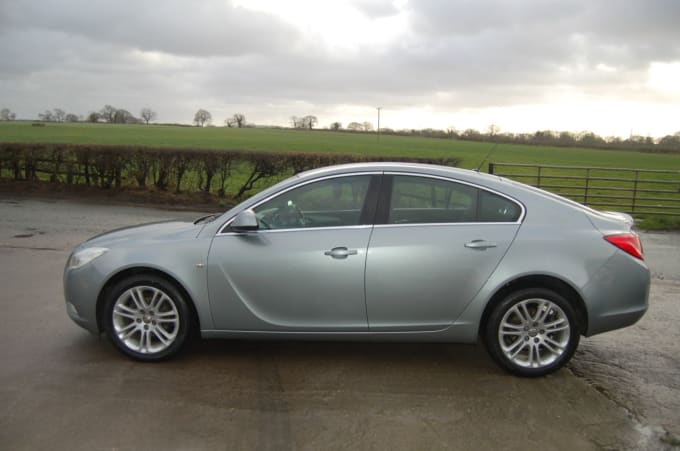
{"x": 137, "y": 270}
{"x": 538, "y": 281}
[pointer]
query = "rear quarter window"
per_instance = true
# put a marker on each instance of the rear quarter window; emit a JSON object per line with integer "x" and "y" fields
{"x": 494, "y": 208}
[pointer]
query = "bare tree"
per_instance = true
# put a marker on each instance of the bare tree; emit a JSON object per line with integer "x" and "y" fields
{"x": 7, "y": 115}
{"x": 355, "y": 126}
{"x": 368, "y": 127}
{"x": 295, "y": 121}
{"x": 229, "y": 122}
{"x": 671, "y": 140}
{"x": 239, "y": 119}
{"x": 71, "y": 118}
{"x": 47, "y": 116}
{"x": 472, "y": 134}
{"x": 309, "y": 121}
{"x": 147, "y": 114}
{"x": 493, "y": 130}
{"x": 123, "y": 117}
{"x": 335, "y": 126}
{"x": 93, "y": 116}
{"x": 202, "y": 117}
{"x": 566, "y": 138}
{"x": 58, "y": 114}
{"x": 107, "y": 113}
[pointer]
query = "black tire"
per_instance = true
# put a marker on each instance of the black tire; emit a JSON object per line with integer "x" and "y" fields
{"x": 144, "y": 331}
{"x": 525, "y": 344}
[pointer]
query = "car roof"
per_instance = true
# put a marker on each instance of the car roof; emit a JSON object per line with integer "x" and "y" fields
{"x": 391, "y": 166}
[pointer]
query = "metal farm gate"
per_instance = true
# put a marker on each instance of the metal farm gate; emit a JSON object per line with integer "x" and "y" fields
{"x": 635, "y": 191}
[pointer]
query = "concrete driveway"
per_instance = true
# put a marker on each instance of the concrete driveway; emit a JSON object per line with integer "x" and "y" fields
{"x": 61, "y": 388}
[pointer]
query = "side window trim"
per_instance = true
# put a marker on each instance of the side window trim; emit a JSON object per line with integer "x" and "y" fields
{"x": 370, "y": 208}
{"x": 382, "y": 213}
{"x": 383, "y": 209}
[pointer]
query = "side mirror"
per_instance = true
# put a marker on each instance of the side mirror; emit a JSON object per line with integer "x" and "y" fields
{"x": 245, "y": 221}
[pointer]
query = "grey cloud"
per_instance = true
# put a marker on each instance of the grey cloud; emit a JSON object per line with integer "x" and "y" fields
{"x": 470, "y": 17}
{"x": 626, "y": 33}
{"x": 629, "y": 20}
{"x": 204, "y": 28}
{"x": 81, "y": 55}
{"x": 376, "y": 8}
{"x": 32, "y": 50}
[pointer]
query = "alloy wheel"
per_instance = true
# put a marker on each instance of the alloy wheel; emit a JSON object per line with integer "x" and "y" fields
{"x": 145, "y": 319}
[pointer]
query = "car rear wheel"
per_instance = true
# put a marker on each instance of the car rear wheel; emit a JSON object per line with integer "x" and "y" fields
{"x": 532, "y": 332}
{"x": 147, "y": 318}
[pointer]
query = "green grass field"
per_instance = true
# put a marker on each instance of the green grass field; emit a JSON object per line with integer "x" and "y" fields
{"x": 471, "y": 153}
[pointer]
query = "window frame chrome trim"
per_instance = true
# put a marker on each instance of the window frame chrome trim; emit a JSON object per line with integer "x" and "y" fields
{"x": 519, "y": 220}
{"x": 297, "y": 229}
{"x": 442, "y": 224}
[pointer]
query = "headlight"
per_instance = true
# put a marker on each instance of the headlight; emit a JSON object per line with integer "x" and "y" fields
{"x": 85, "y": 256}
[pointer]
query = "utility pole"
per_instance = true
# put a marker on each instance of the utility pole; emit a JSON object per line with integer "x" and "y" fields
{"x": 379, "y": 108}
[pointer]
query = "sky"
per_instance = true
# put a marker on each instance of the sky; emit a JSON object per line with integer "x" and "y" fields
{"x": 608, "y": 66}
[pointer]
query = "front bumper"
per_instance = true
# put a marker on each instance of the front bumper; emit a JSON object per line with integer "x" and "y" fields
{"x": 81, "y": 291}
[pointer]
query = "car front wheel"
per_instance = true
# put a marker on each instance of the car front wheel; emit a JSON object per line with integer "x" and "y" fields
{"x": 147, "y": 318}
{"x": 532, "y": 332}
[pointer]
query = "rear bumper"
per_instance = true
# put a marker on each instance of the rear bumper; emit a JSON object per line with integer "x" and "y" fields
{"x": 617, "y": 295}
{"x": 615, "y": 321}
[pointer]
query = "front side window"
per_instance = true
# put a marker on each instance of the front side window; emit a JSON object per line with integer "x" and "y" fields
{"x": 334, "y": 202}
{"x": 424, "y": 200}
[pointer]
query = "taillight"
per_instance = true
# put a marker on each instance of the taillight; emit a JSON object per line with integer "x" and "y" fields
{"x": 629, "y": 242}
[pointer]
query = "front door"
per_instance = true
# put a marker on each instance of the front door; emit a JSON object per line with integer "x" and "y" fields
{"x": 304, "y": 268}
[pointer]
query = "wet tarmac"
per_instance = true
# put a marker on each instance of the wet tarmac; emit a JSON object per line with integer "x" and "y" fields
{"x": 61, "y": 388}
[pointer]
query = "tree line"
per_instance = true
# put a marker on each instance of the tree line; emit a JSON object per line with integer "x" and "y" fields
{"x": 113, "y": 115}
{"x": 107, "y": 114}
{"x": 202, "y": 118}
{"x": 558, "y": 139}
{"x": 540, "y": 137}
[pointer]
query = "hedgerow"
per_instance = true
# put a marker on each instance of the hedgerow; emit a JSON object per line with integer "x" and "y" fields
{"x": 220, "y": 172}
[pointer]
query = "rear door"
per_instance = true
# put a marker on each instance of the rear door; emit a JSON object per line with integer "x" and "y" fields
{"x": 437, "y": 242}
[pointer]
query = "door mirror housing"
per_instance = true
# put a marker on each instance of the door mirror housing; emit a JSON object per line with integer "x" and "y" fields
{"x": 245, "y": 221}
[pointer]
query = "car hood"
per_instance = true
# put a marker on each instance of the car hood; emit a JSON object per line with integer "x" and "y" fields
{"x": 156, "y": 231}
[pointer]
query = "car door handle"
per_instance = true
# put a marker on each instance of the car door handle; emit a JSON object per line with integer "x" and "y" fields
{"x": 340, "y": 252}
{"x": 480, "y": 244}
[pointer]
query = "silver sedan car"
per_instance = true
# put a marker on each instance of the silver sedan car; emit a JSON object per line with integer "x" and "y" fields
{"x": 377, "y": 251}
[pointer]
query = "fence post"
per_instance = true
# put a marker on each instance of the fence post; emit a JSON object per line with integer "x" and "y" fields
{"x": 585, "y": 197}
{"x": 538, "y": 184}
{"x": 635, "y": 191}
{"x": 491, "y": 168}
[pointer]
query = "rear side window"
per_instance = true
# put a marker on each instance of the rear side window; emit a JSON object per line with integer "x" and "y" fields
{"x": 424, "y": 200}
